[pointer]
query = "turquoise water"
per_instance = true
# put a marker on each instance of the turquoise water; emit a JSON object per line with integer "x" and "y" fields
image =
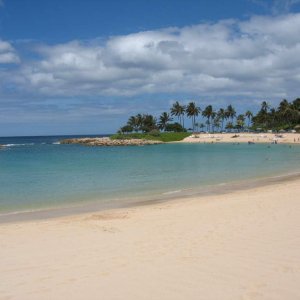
{"x": 37, "y": 173}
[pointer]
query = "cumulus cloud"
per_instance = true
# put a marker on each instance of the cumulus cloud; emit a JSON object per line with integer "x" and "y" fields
{"x": 8, "y": 54}
{"x": 254, "y": 58}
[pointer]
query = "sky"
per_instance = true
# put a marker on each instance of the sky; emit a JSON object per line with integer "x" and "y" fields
{"x": 85, "y": 66}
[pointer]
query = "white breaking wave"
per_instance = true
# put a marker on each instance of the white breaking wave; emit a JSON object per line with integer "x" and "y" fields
{"x": 172, "y": 192}
{"x": 16, "y": 145}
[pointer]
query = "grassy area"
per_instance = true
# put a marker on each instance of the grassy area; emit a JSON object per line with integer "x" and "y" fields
{"x": 157, "y": 136}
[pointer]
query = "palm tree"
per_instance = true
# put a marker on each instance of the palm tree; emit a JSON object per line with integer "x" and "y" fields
{"x": 133, "y": 122}
{"x": 213, "y": 116}
{"x": 265, "y": 106}
{"x": 201, "y": 126}
{"x": 183, "y": 110}
{"x": 192, "y": 111}
{"x": 139, "y": 120}
{"x": 286, "y": 111}
{"x": 221, "y": 115}
{"x": 230, "y": 112}
{"x": 126, "y": 129}
{"x": 216, "y": 123}
{"x": 207, "y": 113}
{"x": 286, "y": 116}
{"x": 272, "y": 117}
{"x": 283, "y": 105}
{"x": 240, "y": 121}
{"x": 163, "y": 120}
{"x": 178, "y": 111}
{"x": 229, "y": 125}
{"x": 149, "y": 123}
{"x": 262, "y": 118}
{"x": 249, "y": 115}
{"x": 207, "y": 122}
{"x": 296, "y": 104}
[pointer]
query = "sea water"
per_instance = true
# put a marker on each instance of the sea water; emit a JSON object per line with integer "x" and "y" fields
{"x": 38, "y": 173}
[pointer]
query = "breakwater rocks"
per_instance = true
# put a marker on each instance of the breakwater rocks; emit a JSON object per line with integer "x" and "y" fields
{"x": 108, "y": 142}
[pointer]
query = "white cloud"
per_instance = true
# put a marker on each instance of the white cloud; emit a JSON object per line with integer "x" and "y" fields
{"x": 7, "y": 53}
{"x": 253, "y": 58}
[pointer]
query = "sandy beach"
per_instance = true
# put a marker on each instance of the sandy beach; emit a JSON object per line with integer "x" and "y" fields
{"x": 241, "y": 245}
{"x": 280, "y": 138}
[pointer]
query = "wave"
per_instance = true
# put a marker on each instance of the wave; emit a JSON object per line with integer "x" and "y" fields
{"x": 16, "y": 145}
{"x": 18, "y": 212}
{"x": 30, "y": 144}
{"x": 172, "y": 192}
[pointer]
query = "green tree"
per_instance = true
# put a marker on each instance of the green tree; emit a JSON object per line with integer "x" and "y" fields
{"x": 216, "y": 123}
{"x": 240, "y": 122}
{"x": 208, "y": 113}
{"x": 221, "y": 115}
{"x": 265, "y": 106}
{"x": 249, "y": 115}
{"x": 148, "y": 123}
{"x": 230, "y": 113}
{"x": 287, "y": 113}
{"x": 229, "y": 126}
{"x": 139, "y": 120}
{"x": 201, "y": 126}
{"x": 175, "y": 127}
{"x": 163, "y": 120}
{"x": 296, "y": 104}
{"x": 133, "y": 122}
{"x": 126, "y": 129}
{"x": 192, "y": 111}
{"x": 178, "y": 111}
{"x": 261, "y": 120}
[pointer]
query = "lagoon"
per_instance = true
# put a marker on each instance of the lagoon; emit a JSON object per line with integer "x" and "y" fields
{"x": 37, "y": 173}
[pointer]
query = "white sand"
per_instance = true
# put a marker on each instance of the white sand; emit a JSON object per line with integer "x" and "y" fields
{"x": 243, "y": 245}
{"x": 281, "y": 138}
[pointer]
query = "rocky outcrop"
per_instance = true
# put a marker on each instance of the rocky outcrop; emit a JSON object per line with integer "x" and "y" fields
{"x": 109, "y": 142}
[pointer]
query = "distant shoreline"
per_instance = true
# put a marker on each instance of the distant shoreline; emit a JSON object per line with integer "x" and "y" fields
{"x": 251, "y": 138}
{"x": 267, "y": 138}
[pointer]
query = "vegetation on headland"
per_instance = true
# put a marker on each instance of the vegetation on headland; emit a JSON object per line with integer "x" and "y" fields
{"x": 285, "y": 117}
{"x": 155, "y": 136}
{"x": 145, "y": 126}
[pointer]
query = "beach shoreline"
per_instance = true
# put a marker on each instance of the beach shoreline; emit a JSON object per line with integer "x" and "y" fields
{"x": 266, "y": 138}
{"x": 178, "y": 195}
{"x": 240, "y": 245}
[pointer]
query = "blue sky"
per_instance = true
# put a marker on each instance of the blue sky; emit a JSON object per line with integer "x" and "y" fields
{"x": 70, "y": 67}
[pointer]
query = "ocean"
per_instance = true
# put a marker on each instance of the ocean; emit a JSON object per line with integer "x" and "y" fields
{"x": 37, "y": 173}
